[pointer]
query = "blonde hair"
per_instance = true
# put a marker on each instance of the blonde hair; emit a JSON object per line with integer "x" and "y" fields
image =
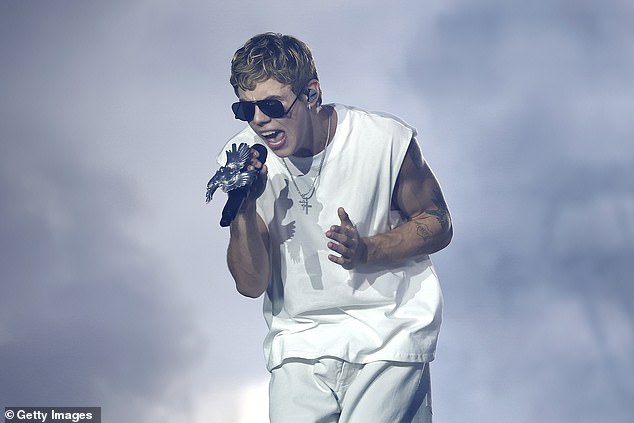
{"x": 270, "y": 55}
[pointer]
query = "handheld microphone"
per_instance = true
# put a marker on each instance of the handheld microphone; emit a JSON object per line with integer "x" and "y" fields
{"x": 237, "y": 196}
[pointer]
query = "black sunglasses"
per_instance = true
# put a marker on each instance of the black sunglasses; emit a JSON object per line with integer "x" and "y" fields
{"x": 245, "y": 110}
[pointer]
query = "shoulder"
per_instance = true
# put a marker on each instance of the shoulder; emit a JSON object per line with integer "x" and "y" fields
{"x": 374, "y": 133}
{"x": 362, "y": 119}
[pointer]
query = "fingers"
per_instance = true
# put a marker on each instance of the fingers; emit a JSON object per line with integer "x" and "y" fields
{"x": 344, "y": 218}
{"x": 338, "y": 260}
{"x": 260, "y": 183}
{"x": 255, "y": 163}
{"x": 347, "y": 254}
{"x": 345, "y": 235}
{"x": 342, "y": 234}
{"x": 344, "y": 241}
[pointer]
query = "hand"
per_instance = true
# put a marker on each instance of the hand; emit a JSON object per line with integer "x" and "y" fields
{"x": 347, "y": 243}
{"x": 260, "y": 183}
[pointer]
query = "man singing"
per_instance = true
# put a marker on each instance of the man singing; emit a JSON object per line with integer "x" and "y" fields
{"x": 336, "y": 232}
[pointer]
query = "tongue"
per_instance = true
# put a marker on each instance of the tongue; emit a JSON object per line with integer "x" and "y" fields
{"x": 276, "y": 138}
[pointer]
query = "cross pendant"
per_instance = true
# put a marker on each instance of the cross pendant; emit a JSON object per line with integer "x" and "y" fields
{"x": 305, "y": 205}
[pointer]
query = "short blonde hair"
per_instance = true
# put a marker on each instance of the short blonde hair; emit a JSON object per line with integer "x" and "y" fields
{"x": 270, "y": 55}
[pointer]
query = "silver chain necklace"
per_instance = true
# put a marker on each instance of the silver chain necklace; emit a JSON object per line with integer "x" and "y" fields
{"x": 313, "y": 188}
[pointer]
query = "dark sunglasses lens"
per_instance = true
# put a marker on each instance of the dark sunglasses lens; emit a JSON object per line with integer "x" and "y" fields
{"x": 243, "y": 110}
{"x": 272, "y": 108}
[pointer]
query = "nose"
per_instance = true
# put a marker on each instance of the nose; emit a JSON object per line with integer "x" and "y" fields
{"x": 260, "y": 118}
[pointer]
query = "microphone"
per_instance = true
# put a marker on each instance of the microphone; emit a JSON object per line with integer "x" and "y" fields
{"x": 237, "y": 196}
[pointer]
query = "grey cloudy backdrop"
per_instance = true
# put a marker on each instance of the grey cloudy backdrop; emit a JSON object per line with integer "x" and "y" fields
{"x": 114, "y": 290}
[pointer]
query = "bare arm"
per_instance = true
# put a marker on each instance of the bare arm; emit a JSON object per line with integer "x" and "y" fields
{"x": 427, "y": 229}
{"x": 248, "y": 255}
{"x": 248, "y": 252}
{"x": 419, "y": 198}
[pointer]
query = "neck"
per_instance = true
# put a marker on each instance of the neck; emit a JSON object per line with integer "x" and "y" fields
{"x": 323, "y": 128}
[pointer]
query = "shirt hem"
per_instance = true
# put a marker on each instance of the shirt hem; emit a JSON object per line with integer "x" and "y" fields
{"x": 356, "y": 359}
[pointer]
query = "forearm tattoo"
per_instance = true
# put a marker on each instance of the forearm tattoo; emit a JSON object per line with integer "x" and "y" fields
{"x": 423, "y": 231}
{"x": 440, "y": 213}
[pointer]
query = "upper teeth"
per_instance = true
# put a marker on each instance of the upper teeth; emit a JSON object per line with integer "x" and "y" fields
{"x": 268, "y": 133}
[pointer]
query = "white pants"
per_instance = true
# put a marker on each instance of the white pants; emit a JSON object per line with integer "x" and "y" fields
{"x": 329, "y": 390}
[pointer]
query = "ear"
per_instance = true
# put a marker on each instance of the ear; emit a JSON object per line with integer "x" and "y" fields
{"x": 313, "y": 92}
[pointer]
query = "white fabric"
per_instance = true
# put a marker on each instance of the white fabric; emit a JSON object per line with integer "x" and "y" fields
{"x": 315, "y": 308}
{"x": 334, "y": 391}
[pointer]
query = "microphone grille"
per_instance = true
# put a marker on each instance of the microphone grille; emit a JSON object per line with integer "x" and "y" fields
{"x": 262, "y": 151}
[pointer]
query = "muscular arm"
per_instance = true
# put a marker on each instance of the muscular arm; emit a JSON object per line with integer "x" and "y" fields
{"x": 418, "y": 197}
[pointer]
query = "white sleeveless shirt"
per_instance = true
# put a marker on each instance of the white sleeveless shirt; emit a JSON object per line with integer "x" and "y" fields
{"x": 315, "y": 308}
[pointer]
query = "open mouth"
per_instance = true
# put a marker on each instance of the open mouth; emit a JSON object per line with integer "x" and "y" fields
{"x": 274, "y": 139}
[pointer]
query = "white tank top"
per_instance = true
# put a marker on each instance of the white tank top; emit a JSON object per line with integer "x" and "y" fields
{"x": 316, "y": 308}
